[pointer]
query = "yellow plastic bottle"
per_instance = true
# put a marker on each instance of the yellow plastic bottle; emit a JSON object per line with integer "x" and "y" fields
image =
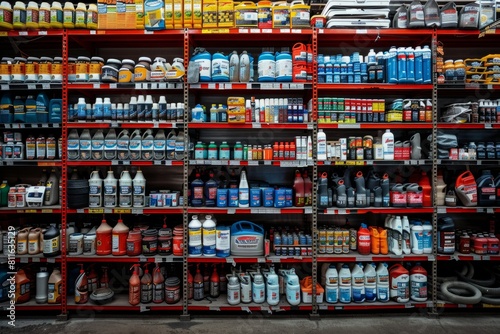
{"x": 19, "y": 17}
{"x": 92, "y": 17}
{"x": 81, "y": 16}
{"x": 5, "y": 16}
{"x": 32, "y": 16}
{"x": 56, "y": 15}
{"x": 69, "y": 15}
{"x": 44, "y": 16}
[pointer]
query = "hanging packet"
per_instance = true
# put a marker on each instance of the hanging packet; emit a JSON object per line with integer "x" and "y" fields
{"x": 416, "y": 17}
{"x": 400, "y": 19}
{"x": 449, "y": 15}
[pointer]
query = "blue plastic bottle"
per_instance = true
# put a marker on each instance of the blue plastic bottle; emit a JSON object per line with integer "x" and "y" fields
{"x": 98, "y": 112}
{"x": 19, "y": 112}
{"x": 5, "y": 109}
{"x": 204, "y": 60}
{"x": 392, "y": 65}
{"x": 401, "y": 65}
{"x": 426, "y": 65}
{"x": 266, "y": 67}
{"x": 106, "y": 109}
{"x": 283, "y": 67}
{"x": 410, "y": 65}
{"x": 220, "y": 67}
{"x": 30, "y": 107}
{"x": 55, "y": 110}
{"x": 419, "y": 78}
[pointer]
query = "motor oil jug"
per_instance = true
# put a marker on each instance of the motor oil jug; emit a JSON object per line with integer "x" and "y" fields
{"x": 81, "y": 287}
{"x": 54, "y": 287}
{"x": 418, "y": 283}
{"x": 103, "y": 238}
{"x": 51, "y": 242}
{"x": 245, "y": 67}
{"x": 466, "y": 189}
{"x": 125, "y": 190}
{"x": 134, "y": 145}
{"x": 159, "y": 145}
{"x": 119, "y": 239}
{"x": 364, "y": 240}
{"x": 97, "y": 145}
{"x": 110, "y": 187}
{"x": 234, "y": 67}
{"x": 299, "y": 191}
{"x": 197, "y": 191}
{"x": 22, "y": 241}
{"x": 122, "y": 145}
{"x": 399, "y": 283}
{"x": 34, "y": 238}
{"x": 361, "y": 191}
{"x": 323, "y": 191}
{"x": 139, "y": 190}
{"x": 179, "y": 146}
{"x": 486, "y": 191}
{"x": 446, "y": 235}
{"x": 95, "y": 190}
{"x": 383, "y": 288}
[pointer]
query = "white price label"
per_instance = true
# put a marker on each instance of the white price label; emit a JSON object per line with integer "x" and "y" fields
{"x": 142, "y": 258}
{"x": 31, "y": 86}
{"x": 23, "y": 259}
{"x": 4, "y": 87}
{"x": 228, "y": 86}
{"x": 114, "y": 124}
{"x": 108, "y": 210}
{"x": 284, "y": 31}
{"x": 285, "y": 86}
{"x": 80, "y": 210}
{"x": 138, "y": 86}
{"x": 96, "y": 86}
{"x": 45, "y": 86}
{"x": 256, "y": 125}
{"x": 267, "y": 31}
{"x": 342, "y": 212}
{"x": 255, "y": 31}
{"x": 42, "y": 33}
{"x": 266, "y": 86}
{"x": 296, "y": 31}
{"x": 231, "y": 211}
{"x": 276, "y": 86}
{"x": 51, "y": 260}
{"x": 243, "y": 31}
{"x": 137, "y": 211}
{"x": 361, "y": 31}
{"x": 114, "y": 162}
{"x": 212, "y": 86}
{"x": 143, "y": 308}
{"x": 113, "y": 85}
{"x": 154, "y": 86}
{"x": 148, "y": 32}
{"x": 214, "y": 308}
{"x": 308, "y": 211}
{"x": 254, "y": 163}
{"x": 35, "y": 259}
{"x": 234, "y": 163}
{"x": 162, "y": 86}
{"x": 92, "y": 32}
{"x": 23, "y": 33}
{"x": 45, "y": 125}
{"x": 168, "y": 163}
{"x": 441, "y": 210}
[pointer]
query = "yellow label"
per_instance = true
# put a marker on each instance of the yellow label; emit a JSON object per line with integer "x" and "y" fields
{"x": 178, "y": 14}
{"x": 96, "y": 210}
{"x": 139, "y": 14}
{"x": 47, "y": 210}
{"x": 188, "y": 13}
{"x": 122, "y": 210}
{"x": 30, "y": 211}
{"x": 197, "y": 14}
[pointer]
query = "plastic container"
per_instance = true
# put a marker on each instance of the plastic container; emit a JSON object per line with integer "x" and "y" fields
{"x": 56, "y": 15}
{"x": 446, "y": 235}
{"x": 220, "y": 68}
{"x": 307, "y": 293}
{"x": 6, "y": 16}
{"x": 284, "y": 67}
{"x": 266, "y": 67}
{"x": 119, "y": 239}
{"x": 104, "y": 239}
{"x": 69, "y": 15}
{"x": 19, "y": 15}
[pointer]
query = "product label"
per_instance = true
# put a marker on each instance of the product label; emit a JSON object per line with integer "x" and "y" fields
{"x": 209, "y": 236}
{"x": 418, "y": 286}
{"x": 115, "y": 243}
{"x": 195, "y": 244}
{"x": 56, "y": 15}
{"x": 50, "y": 246}
{"x": 158, "y": 292}
{"x": 125, "y": 190}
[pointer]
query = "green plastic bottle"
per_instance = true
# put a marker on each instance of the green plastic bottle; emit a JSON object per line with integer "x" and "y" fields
{"x": 4, "y": 193}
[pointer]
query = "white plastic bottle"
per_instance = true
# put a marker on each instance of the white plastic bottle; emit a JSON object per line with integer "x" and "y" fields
{"x": 125, "y": 193}
{"x": 73, "y": 145}
{"x": 139, "y": 196}
{"x": 110, "y": 186}
{"x": 258, "y": 289}
{"x": 370, "y": 282}
{"x": 243, "y": 191}
{"x": 292, "y": 287}
{"x": 233, "y": 291}
{"x": 345, "y": 292}
{"x": 331, "y": 284}
{"x": 97, "y": 145}
{"x": 417, "y": 238}
{"x": 194, "y": 242}
{"x": 246, "y": 288}
{"x": 208, "y": 236}
{"x": 95, "y": 190}
{"x": 372, "y": 58}
{"x": 358, "y": 283}
{"x": 406, "y": 235}
{"x": 397, "y": 236}
{"x": 388, "y": 145}
{"x": 321, "y": 149}
{"x": 383, "y": 290}
{"x": 273, "y": 288}
{"x": 85, "y": 145}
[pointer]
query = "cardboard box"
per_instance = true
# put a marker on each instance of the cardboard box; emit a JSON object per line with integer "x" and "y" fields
{"x": 236, "y": 110}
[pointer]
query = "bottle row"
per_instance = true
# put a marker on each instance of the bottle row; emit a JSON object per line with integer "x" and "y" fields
{"x": 240, "y": 110}
{"x": 140, "y": 109}
{"x": 483, "y": 70}
{"x": 33, "y": 148}
{"x": 30, "y": 110}
{"x": 482, "y": 111}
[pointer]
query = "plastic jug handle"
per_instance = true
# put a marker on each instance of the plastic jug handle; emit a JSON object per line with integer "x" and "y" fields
{"x": 296, "y": 2}
{"x": 121, "y": 133}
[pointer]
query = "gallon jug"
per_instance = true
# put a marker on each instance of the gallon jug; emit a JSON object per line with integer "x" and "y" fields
{"x": 233, "y": 290}
{"x": 292, "y": 287}
{"x": 139, "y": 190}
{"x": 418, "y": 283}
{"x": 345, "y": 279}
{"x": 159, "y": 145}
{"x": 85, "y": 145}
{"x": 431, "y": 14}
{"x": 272, "y": 288}
{"x": 370, "y": 273}
{"x": 4, "y": 193}
{"x": 134, "y": 145}
{"x": 81, "y": 287}
{"x": 446, "y": 235}
{"x": 417, "y": 238}
{"x": 388, "y": 145}
{"x": 19, "y": 16}
{"x": 331, "y": 284}
{"x": 245, "y": 288}
{"x": 119, "y": 238}
{"x": 125, "y": 190}
{"x": 441, "y": 190}
{"x": 110, "y": 186}
{"x": 197, "y": 195}
{"x": 210, "y": 191}
{"x": 358, "y": 283}
{"x": 396, "y": 246}
{"x": 95, "y": 190}
{"x": 6, "y": 14}
{"x": 392, "y": 65}
{"x": 122, "y": 145}
{"x": 234, "y": 67}
{"x": 406, "y": 242}
{"x": 416, "y": 16}
{"x": 426, "y": 190}
{"x": 258, "y": 288}
{"x": 383, "y": 290}
{"x": 51, "y": 196}
{"x": 208, "y": 236}
{"x": 54, "y": 287}
{"x": 146, "y": 286}
{"x": 22, "y": 287}
{"x": 103, "y": 238}
{"x": 399, "y": 283}
{"x": 34, "y": 241}
{"x": 195, "y": 244}
{"x": 323, "y": 191}
{"x": 401, "y": 56}
{"x": 427, "y": 65}
{"x": 427, "y": 234}
{"x": 170, "y": 145}
{"x": 51, "y": 242}
{"x": 466, "y": 189}
{"x": 245, "y": 67}
{"x": 97, "y": 145}
{"x": 220, "y": 67}
{"x": 364, "y": 240}
{"x": 179, "y": 153}
{"x": 361, "y": 199}
{"x": 22, "y": 241}
{"x": 266, "y": 67}
{"x": 134, "y": 286}
{"x": 284, "y": 67}
{"x": 204, "y": 60}
{"x": 486, "y": 191}
{"x": 298, "y": 187}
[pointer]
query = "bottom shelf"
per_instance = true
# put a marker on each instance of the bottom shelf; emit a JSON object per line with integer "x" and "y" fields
{"x": 31, "y": 305}
{"x": 374, "y": 305}
{"x": 120, "y": 303}
{"x": 220, "y": 304}
{"x": 445, "y": 304}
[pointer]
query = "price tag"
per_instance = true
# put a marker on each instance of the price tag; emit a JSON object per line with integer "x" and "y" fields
{"x": 80, "y": 210}
{"x": 23, "y": 259}
{"x": 212, "y": 86}
{"x": 137, "y": 211}
{"x": 108, "y": 210}
{"x": 284, "y": 31}
{"x": 231, "y": 211}
{"x": 30, "y": 211}
{"x": 195, "y": 86}
{"x": 288, "y": 163}
{"x": 323, "y": 307}
{"x": 42, "y": 33}
{"x": 126, "y": 162}
{"x": 485, "y": 258}
{"x": 171, "y": 86}
{"x": 285, "y": 86}
{"x": 350, "y": 163}
{"x": 234, "y": 163}
{"x": 261, "y": 260}
{"x": 45, "y": 86}
{"x": 168, "y": 162}
{"x": 35, "y": 259}
{"x": 276, "y": 86}
{"x": 23, "y": 33}
{"x": 144, "y": 308}
{"x": 255, "y": 163}
{"x": 255, "y": 31}
{"x": 96, "y": 86}
{"x": 153, "y": 85}
{"x": 100, "y": 211}
{"x": 9, "y": 163}
{"x": 243, "y": 31}
{"x": 487, "y": 126}
{"x": 266, "y": 86}
{"x": 246, "y": 309}
{"x": 31, "y": 86}
{"x": 157, "y": 162}
{"x": 308, "y": 211}
{"x": 214, "y": 308}
{"x": 113, "y": 85}
{"x": 268, "y": 163}
{"x": 361, "y": 31}
{"x": 228, "y": 86}
{"x": 114, "y": 162}
{"x": 231, "y": 260}
{"x": 51, "y": 260}
{"x": 407, "y": 162}
{"x": 267, "y": 31}
{"x": 441, "y": 210}
{"x": 138, "y": 86}
{"x": 47, "y": 210}
{"x": 148, "y": 32}
{"x": 256, "y": 125}
{"x": 162, "y": 85}
{"x": 122, "y": 211}
{"x": 92, "y": 32}
{"x": 341, "y": 211}
{"x": 296, "y": 31}
{"x": 142, "y": 258}
{"x": 4, "y": 87}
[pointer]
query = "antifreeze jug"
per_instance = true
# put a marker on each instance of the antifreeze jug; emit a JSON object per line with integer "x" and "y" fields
{"x": 486, "y": 192}
{"x": 466, "y": 189}
{"x": 399, "y": 283}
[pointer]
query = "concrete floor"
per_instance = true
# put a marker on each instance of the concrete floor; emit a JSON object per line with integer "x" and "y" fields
{"x": 453, "y": 323}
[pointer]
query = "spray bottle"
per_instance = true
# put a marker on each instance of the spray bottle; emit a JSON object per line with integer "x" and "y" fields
{"x": 146, "y": 286}
{"x": 81, "y": 287}
{"x": 134, "y": 287}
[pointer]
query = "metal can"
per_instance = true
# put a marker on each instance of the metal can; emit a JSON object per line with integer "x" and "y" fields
{"x": 345, "y": 241}
{"x": 337, "y": 247}
{"x": 353, "y": 239}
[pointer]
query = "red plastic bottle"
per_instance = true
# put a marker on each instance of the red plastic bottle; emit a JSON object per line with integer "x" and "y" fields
{"x": 214, "y": 284}
{"x": 307, "y": 189}
{"x": 426, "y": 190}
{"x": 298, "y": 188}
{"x": 364, "y": 240}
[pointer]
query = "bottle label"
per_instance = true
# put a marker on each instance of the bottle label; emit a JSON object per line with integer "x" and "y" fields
{"x": 158, "y": 293}
{"x": 208, "y": 240}
{"x": 50, "y": 246}
{"x": 419, "y": 286}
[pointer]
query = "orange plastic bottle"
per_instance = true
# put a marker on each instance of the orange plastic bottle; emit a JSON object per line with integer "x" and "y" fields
{"x": 281, "y": 151}
{"x": 119, "y": 238}
{"x": 298, "y": 188}
{"x": 293, "y": 151}
{"x": 103, "y": 239}
{"x": 384, "y": 246}
{"x": 214, "y": 284}
{"x": 276, "y": 151}
{"x": 158, "y": 284}
{"x": 375, "y": 238}
{"x": 364, "y": 240}
{"x": 134, "y": 287}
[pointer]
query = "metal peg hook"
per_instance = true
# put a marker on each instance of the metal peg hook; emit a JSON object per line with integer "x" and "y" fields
{"x": 378, "y": 35}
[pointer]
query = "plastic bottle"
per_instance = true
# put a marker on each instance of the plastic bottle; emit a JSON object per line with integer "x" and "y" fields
{"x": 358, "y": 283}
{"x": 97, "y": 145}
{"x": 233, "y": 290}
{"x": 258, "y": 289}
{"x": 195, "y": 237}
{"x": 362, "y": 198}
{"x": 125, "y": 190}
{"x": 397, "y": 236}
{"x": 392, "y": 65}
{"x": 402, "y": 64}
{"x": 134, "y": 287}
{"x": 370, "y": 274}
{"x": 81, "y": 16}
{"x": 243, "y": 191}
{"x": 69, "y": 15}
{"x": 42, "y": 284}
{"x": 245, "y": 288}
{"x": 85, "y": 145}
{"x": 4, "y": 193}
{"x": 32, "y": 14}
{"x": 299, "y": 191}
{"x": 119, "y": 239}
{"x": 345, "y": 279}
{"x": 110, "y": 187}
{"x": 234, "y": 67}
{"x": 364, "y": 242}
{"x": 54, "y": 288}
{"x": 158, "y": 285}
{"x": 198, "y": 289}
{"x": 418, "y": 283}
{"x": 283, "y": 67}
{"x": 104, "y": 239}
{"x": 323, "y": 197}
{"x": 417, "y": 238}
{"x": 44, "y": 16}
{"x": 292, "y": 287}
{"x": 418, "y": 65}
{"x": 52, "y": 242}
{"x": 486, "y": 191}
{"x": 406, "y": 235}
{"x": 81, "y": 287}
{"x": 110, "y": 145}
{"x": 215, "y": 284}
{"x": 272, "y": 288}
{"x": 220, "y": 67}
{"x": 208, "y": 236}
{"x": 106, "y": 109}
{"x": 133, "y": 109}
{"x": 244, "y": 67}
{"x": 139, "y": 190}
{"x": 95, "y": 190}
{"x": 51, "y": 196}
{"x": 19, "y": 110}
{"x": 388, "y": 145}
{"x": 399, "y": 283}
{"x": 134, "y": 145}
{"x": 210, "y": 191}
{"x": 91, "y": 20}
{"x": 197, "y": 191}
{"x": 383, "y": 287}
{"x": 6, "y": 16}
{"x": 19, "y": 16}
{"x": 426, "y": 65}
{"x": 446, "y": 235}
{"x": 56, "y": 15}
{"x": 427, "y": 237}
{"x": 332, "y": 284}
{"x": 5, "y": 109}
{"x": 321, "y": 149}
{"x": 179, "y": 146}
{"x": 146, "y": 286}
{"x": 410, "y": 65}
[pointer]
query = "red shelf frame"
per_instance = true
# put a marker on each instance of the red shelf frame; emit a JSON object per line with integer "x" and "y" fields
{"x": 373, "y": 258}
{"x": 392, "y": 125}
{"x": 146, "y": 210}
{"x": 281, "y": 126}
{"x": 129, "y": 125}
{"x": 75, "y": 163}
{"x": 385, "y": 210}
{"x": 375, "y": 87}
{"x": 211, "y": 210}
{"x": 36, "y": 32}
{"x": 467, "y": 126}
{"x": 124, "y": 259}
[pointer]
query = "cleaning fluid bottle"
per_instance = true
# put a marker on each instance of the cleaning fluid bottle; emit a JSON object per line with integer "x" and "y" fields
{"x": 332, "y": 284}
{"x": 323, "y": 197}
{"x": 134, "y": 145}
{"x": 243, "y": 190}
{"x": 292, "y": 287}
{"x": 214, "y": 284}
{"x": 147, "y": 145}
{"x": 383, "y": 293}
{"x": 397, "y": 236}
{"x": 399, "y": 283}
{"x": 272, "y": 288}
{"x": 402, "y": 63}
{"x": 417, "y": 238}
{"x": 158, "y": 285}
{"x": 139, "y": 190}
{"x": 110, "y": 144}
{"x": 103, "y": 238}
{"x": 370, "y": 273}
{"x": 418, "y": 283}
{"x": 97, "y": 145}
{"x": 388, "y": 145}
{"x": 364, "y": 240}
{"x": 195, "y": 238}
{"x": 426, "y": 65}
{"x": 245, "y": 288}
{"x": 146, "y": 286}
{"x": 299, "y": 190}
{"x": 198, "y": 288}
{"x": 209, "y": 236}
{"x": 358, "y": 283}
{"x": 81, "y": 287}
{"x": 54, "y": 287}
{"x": 119, "y": 238}
{"x": 345, "y": 289}
{"x": 234, "y": 67}
{"x": 134, "y": 286}
{"x": 321, "y": 147}
{"x": 95, "y": 190}
{"x": 110, "y": 187}
{"x": 392, "y": 65}
{"x": 406, "y": 240}
{"x": 258, "y": 288}
{"x": 125, "y": 190}
{"x": 159, "y": 145}
{"x": 244, "y": 67}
